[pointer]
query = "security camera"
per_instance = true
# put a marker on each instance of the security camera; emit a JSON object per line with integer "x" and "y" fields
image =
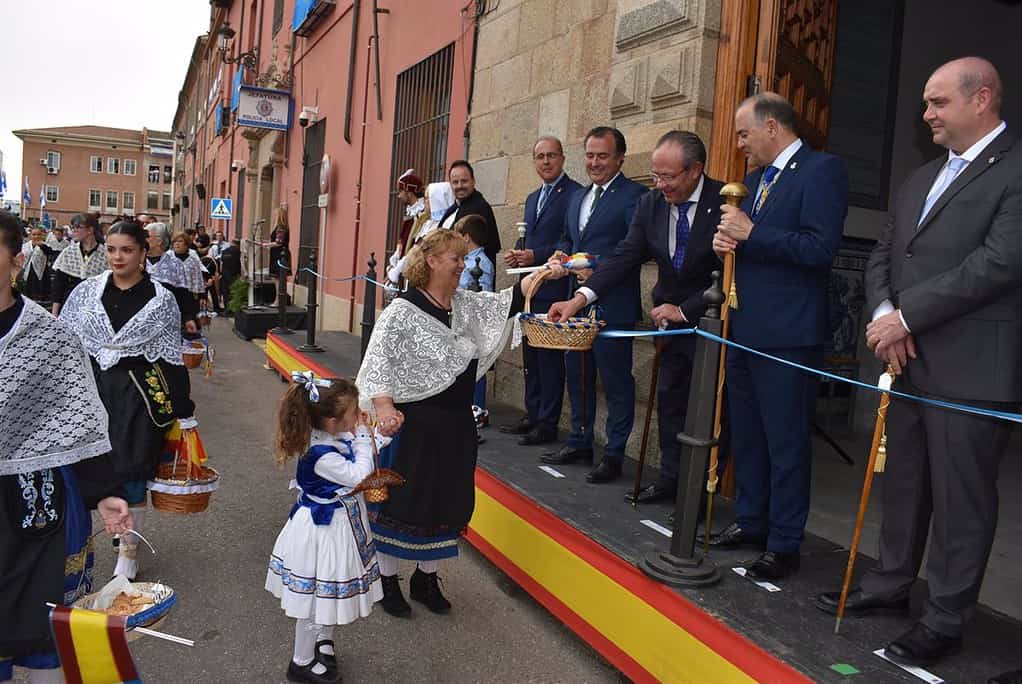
{"x": 303, "y": 118}
{"x": 237, "y": 165}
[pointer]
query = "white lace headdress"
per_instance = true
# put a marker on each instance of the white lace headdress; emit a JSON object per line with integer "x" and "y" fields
{"x": 153, "y": 333}
{"x": 412, "y": 356}
{"x": 74, "y": 264}
{"x": 50, "y": 412}
{"x": 173, "y": 271}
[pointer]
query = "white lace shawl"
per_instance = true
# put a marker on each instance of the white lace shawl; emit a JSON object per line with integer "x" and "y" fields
{"x": 172, "y": 271}
{"x": 35, "y": 261}
{"x": 50, "y": 412}
{"x": 71, "y": 262}
{"x": 412, "y": 356}
{"x": 153, "y": 333}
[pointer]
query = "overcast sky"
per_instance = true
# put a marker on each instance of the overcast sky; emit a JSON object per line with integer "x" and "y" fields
{"x": 115, "y": 63}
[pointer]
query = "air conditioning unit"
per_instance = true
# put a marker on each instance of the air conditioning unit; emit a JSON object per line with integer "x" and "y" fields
{"x": 52, "y": 170}
{"x": 42, "y": 162}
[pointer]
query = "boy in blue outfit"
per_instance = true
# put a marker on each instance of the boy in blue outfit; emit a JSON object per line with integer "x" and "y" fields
{"x": 473, "y": 229}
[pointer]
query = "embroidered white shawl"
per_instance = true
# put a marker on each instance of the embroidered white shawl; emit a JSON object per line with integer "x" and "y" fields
{"x": 172, "y": 271}
{"x": 74, "y": 264}
{"x": 153, "y": 333}
{"x": 50, "y": 412}
{"x": 412, "y": 356}
{"x": 35, "y": 261}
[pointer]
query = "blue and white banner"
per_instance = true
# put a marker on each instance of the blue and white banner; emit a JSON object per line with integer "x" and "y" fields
{"x": 28, "y": 194}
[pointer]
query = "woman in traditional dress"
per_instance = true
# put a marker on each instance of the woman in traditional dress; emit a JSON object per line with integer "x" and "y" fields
{"x": 51, "y": 419}
{"x": 37, "y": 274}
{"x": 80, "y": 261}
{"x": 131, "y": 327}
{"x": 439, "y": 198}
{"x": 180, "y": 271}
{"x": 420, "y": 369}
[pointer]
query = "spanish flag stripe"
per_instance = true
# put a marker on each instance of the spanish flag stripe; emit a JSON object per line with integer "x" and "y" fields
{"x": 119, "y": 648}
{"x": 60, "y": 624}
{"x": 92, "y": 647}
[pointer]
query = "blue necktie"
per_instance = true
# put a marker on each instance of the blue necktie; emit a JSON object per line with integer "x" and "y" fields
{"x": 543, "y": 194}
{"x": 681, "y": 235}
{"x": 954, "y": 167}
{"x": 769, "y": 174}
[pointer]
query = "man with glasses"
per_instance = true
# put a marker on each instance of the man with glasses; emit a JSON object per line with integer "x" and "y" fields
{"x": 544, "y": 220}
{"x": 673, "y": 226}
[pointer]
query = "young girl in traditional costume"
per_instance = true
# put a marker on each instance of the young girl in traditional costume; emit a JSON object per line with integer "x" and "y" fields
{"x": 51, "y": 424}
{"x": 80, "y": 261}
{"x": 131, "y": 327}
{"x": 37, "y": 273}
{"x": 323, "y": 567}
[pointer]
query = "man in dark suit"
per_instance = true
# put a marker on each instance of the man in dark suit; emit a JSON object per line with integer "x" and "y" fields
{"x": 544, "y": 221}
{"x": 943, "y": 283}
{"x": 468, "y": 200}
{"x": 675, "y": 228}
{"x": 784, "y": 237}
{"x": 597, "y": 219}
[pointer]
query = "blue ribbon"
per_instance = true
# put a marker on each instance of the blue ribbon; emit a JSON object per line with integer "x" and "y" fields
{"x": 964, "y": 408}
{"x": 351, "y": 278}
{"x": 311, "y": 383}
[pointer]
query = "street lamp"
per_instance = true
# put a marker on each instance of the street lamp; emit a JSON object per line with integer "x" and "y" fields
{"x": 224, "y": 37}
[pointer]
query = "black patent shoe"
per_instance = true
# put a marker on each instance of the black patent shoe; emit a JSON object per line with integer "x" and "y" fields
{"x": 861, "y": 604}
{"x": 299, "y": 673}
{"x": 921, "y": 647}
{"x": 424, "y": 587}
{"x": 520, "y": 428}
{"x": 393, "y": 601}
{"x": 329, "y": 660}
{"x": 651, "y": 494}
{"x": 773, "y": 566}
{"x": 734, "y": 537}
{"x": 539, "y": 435}
{"x": 607, "y": 471}
{"x": 567, "y": 455}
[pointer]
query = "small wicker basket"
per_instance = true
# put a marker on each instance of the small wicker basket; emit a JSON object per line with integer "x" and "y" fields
{"x": 375, "y": 486}
{"x": 574, "y": 334}
{"x": 193, "y": 354}
{"x": 184, "y": 496}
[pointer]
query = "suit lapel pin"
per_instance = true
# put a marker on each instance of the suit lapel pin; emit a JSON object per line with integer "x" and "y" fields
{"x": 794, "y": 165}
{"x": 991, "y": 160}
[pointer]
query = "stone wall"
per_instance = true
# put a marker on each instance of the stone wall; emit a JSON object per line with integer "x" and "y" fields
{"x": 563, "y": 66}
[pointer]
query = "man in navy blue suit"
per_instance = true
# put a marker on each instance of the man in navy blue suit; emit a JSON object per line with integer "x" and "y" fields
{"x": 597, "y": 220}
{"x": 784, "y": 237}
{"x": 544, "y": 220}
{"x": 674, "y": 227}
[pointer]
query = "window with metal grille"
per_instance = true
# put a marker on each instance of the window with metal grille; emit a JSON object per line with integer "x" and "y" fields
{"x": 422, "y": 114}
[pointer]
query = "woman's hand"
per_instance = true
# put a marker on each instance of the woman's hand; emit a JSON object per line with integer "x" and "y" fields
{"x": 116, "y": 515}
{"x": 388, "y": 419}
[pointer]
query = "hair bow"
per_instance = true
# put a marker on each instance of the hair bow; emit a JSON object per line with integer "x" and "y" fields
{"x": 311, "y": 383}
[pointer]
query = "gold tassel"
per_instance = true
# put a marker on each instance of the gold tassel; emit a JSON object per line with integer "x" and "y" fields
{"x": 732, "y": 297}
{"x": 881, "y": 462}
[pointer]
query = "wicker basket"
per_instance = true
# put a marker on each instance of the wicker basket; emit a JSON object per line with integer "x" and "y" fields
{"x": 574, "y": 334}
{"x": 151, "y": 617}
{"x": 184, "y": 496}
{"x": 375, "y": 486}
{"x": 193, "y": 354}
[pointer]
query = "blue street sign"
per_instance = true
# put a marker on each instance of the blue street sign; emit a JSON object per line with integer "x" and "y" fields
{"x": 220, "y": 208}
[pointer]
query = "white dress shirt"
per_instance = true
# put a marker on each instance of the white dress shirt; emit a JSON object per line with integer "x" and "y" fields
{"x": 587, "y": 202}
{"x": 885, "y": 307}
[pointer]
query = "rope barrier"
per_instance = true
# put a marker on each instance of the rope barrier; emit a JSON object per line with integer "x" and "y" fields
{"x": 964, "y": 408}
{"x": 385, "y": 286}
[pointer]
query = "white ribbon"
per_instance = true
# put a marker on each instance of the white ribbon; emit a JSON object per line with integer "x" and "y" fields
{"x": 311, "y": 383}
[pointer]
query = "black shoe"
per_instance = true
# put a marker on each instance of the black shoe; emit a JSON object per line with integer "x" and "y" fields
{"x": 921, "y": 646}
{"x": 651, "y": 494}
{"x": 479, "y": 437}
{"x": 773, "y": 566}
{"x": 734, "y": 537}
{"x": 567, "y": 455}
{"x": 393, "y": 601}
{"x": 424, "y": 587}
{"x": 1013, "y": 677}
{"x": 860, "y": 604}
{"x": 607, "y": 471}
{"x": 520, "y": 428}
{"x": 538, "y": 435}
{"x": 329, "y": 660}
{"x": 298, "y": 673}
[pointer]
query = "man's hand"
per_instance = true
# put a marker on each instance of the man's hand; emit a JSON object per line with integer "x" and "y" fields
{"x": 557, "y": 270}
{"x": 667, "y": 313}
{"x": 116, "y": 515}
{"x": 561, "y": 311}
{"x": 723, "y": 245}
{"x": 583, "y": 274}
{"x": 734, "y": 223}
{"x": 885, "y": 331}
{"x": 898, "y": 354}
{"x": 520, "y": 257}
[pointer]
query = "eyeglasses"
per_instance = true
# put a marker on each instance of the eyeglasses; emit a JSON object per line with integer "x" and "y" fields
{"x": 666, "y": 177}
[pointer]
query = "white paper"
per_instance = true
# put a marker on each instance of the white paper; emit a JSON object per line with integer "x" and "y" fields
{"x": 916, "y": 671}
{"x": 769, "y": 586}
{"x": 657, "y": 526}
{"x": 550, "y": 471}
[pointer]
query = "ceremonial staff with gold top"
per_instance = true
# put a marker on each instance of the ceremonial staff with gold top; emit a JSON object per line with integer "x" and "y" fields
{"x": 732, "y": 194}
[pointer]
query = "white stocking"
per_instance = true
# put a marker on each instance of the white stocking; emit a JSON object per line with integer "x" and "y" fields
{"x": 306, "y": 634}
{"x": 54, "y": 676}
{"x": 429, "y": 566}
{"x": 127, "y": 552}
{"x": 388, "y": 564}
{"x": 326, "y": 633}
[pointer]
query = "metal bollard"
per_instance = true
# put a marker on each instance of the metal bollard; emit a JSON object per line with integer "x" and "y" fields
{"x": 369, "y": 304}
{"x": 310, "y": 309}
{"x": 680, "y": 566}
{"x": 282, "y": 271}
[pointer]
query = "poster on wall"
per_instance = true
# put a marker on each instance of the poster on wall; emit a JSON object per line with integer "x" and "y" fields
{"x": 264, "y": 108}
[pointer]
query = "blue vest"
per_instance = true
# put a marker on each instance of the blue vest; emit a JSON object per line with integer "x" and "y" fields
{"x": 314, "y": 485}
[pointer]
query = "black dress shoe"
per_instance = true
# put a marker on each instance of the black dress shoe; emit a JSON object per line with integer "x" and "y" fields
{"x": 424, "y": 587}
{"x": 538, "y": 435}
{"x": 921, "y": 646}
{"x": 860, "y": 604}
{"x": 607, "y": 471}
{"x": 393, "y": 601}
{"x": 567, "y": 455}
{"x": 773, "y": 565}
{"x": 329, "y": 660}
{"x": 1013, "y": 677}
{"x": 734, "y": 537}
{"x": 520, "y": 428}
{"x": 651, "y": 494}
{"x": 299, "y": 673}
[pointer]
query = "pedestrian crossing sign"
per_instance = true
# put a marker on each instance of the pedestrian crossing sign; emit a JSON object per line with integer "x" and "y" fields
{"x": 220, "y": 208}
